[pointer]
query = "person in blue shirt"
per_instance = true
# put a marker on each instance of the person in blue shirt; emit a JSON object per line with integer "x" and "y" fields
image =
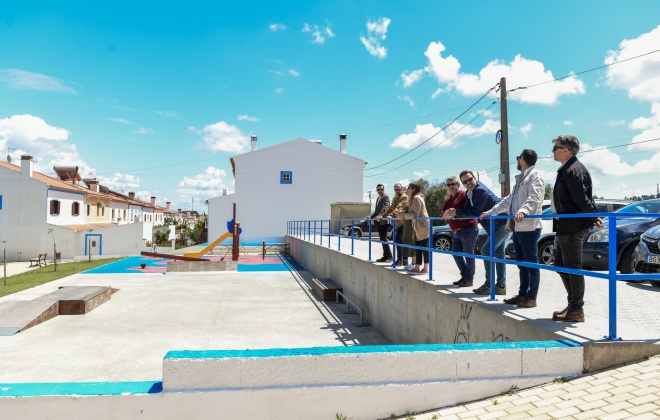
{"x": 480, "y": 199}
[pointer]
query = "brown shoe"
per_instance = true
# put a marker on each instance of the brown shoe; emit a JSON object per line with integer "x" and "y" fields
{"x": 527, "y": 303}
{"x": 556, "y": 314}
{"x": 514, "y": 300}
{"x": 572, "y": 316}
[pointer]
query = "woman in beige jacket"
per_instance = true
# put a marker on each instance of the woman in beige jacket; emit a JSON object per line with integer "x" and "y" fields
{"x": 417, "y": 209}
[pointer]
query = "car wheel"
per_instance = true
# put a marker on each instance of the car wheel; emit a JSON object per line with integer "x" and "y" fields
{"x": 655, "y": 283}
{"x": 357, "y": 232}
{"x": 626, "y": 264}
{"x": 443, "y": 243}
{"x": 547, "y": 252}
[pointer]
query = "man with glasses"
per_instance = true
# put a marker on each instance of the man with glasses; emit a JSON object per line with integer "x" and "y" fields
{"x": 572, "y": 194}
{"x": 398, "y": 206}
{"x": 525, "y": 199}
{"x": 464, "y": 233}
{"x": 479, "y": 200}
{"x": 382, "y": 204}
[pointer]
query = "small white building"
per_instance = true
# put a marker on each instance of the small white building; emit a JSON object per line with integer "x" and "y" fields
{"x": 295, "y": 180}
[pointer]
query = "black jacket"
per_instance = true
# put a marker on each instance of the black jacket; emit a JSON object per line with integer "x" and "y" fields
{"x": 573, "y": 194}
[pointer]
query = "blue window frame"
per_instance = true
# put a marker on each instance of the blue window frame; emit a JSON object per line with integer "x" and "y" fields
{"x": 286, "y": 177}
{"x": 0, "y": 202}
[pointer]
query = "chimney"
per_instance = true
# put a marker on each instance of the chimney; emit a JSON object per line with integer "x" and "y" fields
{"x": 131, "y": 195}
{"x": 224, "y": 191}
{"x": 253, "y": 142}
{"x": 94, "y": 185}
{"x": 167, "y": 205}
{"x": 188, "y": 213}
{"x": 342, "y": 143}
{"x": 26, "y": 165}
{"x": 153, "y": 201}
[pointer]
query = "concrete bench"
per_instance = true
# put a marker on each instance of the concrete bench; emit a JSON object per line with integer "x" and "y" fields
{"x": 41, "y": 259}
{"x": 326, "y": 289}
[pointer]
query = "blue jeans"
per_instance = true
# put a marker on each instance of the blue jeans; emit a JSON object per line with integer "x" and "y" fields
{"x": 526, "y": 245}
{"x": 500, "y": 236}
{"x": 463, "y": 241}
{"x": 399, "y": 240}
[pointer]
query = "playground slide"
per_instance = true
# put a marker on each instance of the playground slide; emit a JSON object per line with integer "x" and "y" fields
{"x": 200, "y": 254}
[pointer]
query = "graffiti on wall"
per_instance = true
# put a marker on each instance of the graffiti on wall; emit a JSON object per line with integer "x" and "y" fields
{"x": 462, "y": 327}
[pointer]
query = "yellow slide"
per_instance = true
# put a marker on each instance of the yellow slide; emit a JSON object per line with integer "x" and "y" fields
{"x": 200, "y": 254}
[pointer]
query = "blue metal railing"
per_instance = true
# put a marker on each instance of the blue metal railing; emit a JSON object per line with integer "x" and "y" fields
{"x": 301, "y": 229}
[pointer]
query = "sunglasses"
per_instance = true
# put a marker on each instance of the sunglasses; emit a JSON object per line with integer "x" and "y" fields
{"x": 397, "y": 189}
{"x": 453, "y": 184}
{"x": 557, "y": 147}
{"x": 379, "y": 189}
{"x": 467, "y": 181}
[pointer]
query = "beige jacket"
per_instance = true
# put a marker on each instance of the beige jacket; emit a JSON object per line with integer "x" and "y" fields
{"x": 417, "y": 208}
{"x": 399, "y": 203}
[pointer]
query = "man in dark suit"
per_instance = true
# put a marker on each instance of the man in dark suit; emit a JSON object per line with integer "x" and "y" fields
{"x": 572, "y": 194}
{"x": 382, "y": 204}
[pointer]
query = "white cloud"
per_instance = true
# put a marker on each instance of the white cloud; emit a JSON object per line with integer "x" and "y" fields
{"x": 286, "y": 73}
{"x": 119, "y": 182}
{"x": 639, "y": 77}
{"x": 606, "y": 162}
{"x": 203, "y": 186}
{"x": 421, "y": 174}
{"x": 143, "y": 130}
{"x": 293, "y": 73}
{"x": 650, "y": 127}
{"x": 411, "y": 77}
{"x": 616, "y": 123}
{"x": 279, "y": 91}
{"x": 446, "y": 138}
{"x": 319, "y": 33}
{"x": 276, "y": 27}
{"x": 245, "y": 117}
{"x": 170, "y": 114}
{"x": 437, "y": 93}
{"x": 568, "y": 123}
{"x": 407, "y": 99}
{"x": 376, "y": 32}
{"x": 519, "y": 72}
{"x": 526, "y": 129}
{"x": 224, "y": 137}
{"x": 485, "y": 179}
{"x": 121, "y": 121}
{"x": 21, "y": 79}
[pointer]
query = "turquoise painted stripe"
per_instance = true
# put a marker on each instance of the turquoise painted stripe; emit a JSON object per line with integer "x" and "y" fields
{"x": 317, "y": 351}
{"x": 79, "y": 388}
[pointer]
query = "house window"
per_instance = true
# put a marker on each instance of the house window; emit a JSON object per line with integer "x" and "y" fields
{"x": 102, "y": 209}
{"x": 113, "y": 214}
{"x": 54, "y": 207}
{"x": 286, "y": 177}
{"x": 89, "y": 210}
{"x": 75, "y": 208}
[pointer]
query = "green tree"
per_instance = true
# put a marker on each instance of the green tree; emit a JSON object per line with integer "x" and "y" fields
{"x": 434, "y": 197}
{"x": 548, "y": 191}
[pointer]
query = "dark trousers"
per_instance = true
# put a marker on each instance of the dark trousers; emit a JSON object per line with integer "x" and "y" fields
{"x": 568, "y": 253}
{"x": 422, "y": 257}
{"x": 382, "y": 235}
{"x": 398, "y": 238}
{"x": 500, "y": 269}
{"x": 526, "y": 245}
{"x": 463, "y": 241}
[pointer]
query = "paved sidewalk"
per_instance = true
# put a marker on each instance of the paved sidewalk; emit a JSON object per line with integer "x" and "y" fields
{"x": 630, "y": 391}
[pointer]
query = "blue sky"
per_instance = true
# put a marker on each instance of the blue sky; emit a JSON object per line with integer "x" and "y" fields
{"x": 155, "y": 97}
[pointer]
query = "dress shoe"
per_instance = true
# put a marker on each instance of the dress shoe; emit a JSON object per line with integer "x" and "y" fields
{"x": 457, "y": 281}
{"x": 399, "y": 262}
{"x": 527, "y": 303}
{"x": 465, "y": 283}
{"x": 572, "y": 316}
{"x": 383, "y": 259}
{"x": 557, "y": 314}
{"x": 485, "y": 290}
{"x": 514, "y": 300}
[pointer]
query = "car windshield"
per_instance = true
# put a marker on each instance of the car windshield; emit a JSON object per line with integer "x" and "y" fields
{"x": 641, "y": 207}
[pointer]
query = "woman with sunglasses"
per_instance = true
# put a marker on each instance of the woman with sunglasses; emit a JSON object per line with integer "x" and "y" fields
{"x": 420, "y": 223}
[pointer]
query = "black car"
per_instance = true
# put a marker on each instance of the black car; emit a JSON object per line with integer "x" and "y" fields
{"x": 442, "y": 238}
{"x": 361, "y": 228}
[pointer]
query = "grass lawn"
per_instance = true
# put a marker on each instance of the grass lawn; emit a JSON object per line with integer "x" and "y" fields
{"x": 47, "y": 274}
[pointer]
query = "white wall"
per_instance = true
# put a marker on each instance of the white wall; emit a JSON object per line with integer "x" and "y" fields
{"x": 66, "y": 199}
{"x": 321, "y": 176}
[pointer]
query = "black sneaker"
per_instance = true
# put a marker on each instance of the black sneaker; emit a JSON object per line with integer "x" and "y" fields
{"x": 383, "y": 259}
{"x": 457, "y": 281}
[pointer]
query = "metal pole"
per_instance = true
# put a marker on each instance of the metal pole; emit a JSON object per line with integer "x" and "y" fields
{"x": 4, "y": 262}
{"x": 339, "y": 235}
{"x": 370, "y": 233}
{"x": 329, "y": 224}
{"x": 612, "y": 277}
{"x": 352, "y": 236}
{"x": 429, "y": 244}
{"x": 491, "y": 244}
{"x": 504, "y": 146}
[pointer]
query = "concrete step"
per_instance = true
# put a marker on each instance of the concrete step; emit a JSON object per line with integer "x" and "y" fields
{"x": 17, "y": 316}
{"x": 78, "y": 300}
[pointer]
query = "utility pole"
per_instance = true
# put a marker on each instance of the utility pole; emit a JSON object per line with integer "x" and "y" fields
{"x": 504, "y": 177}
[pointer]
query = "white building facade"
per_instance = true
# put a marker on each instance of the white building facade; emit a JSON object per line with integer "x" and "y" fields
{"x": 295, "y": 180}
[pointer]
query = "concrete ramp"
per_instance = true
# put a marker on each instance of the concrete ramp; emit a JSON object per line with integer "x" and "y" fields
{"x": 17, "y": 316}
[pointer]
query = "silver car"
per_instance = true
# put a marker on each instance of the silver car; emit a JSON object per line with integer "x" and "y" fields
{"x": 647, "y": 254}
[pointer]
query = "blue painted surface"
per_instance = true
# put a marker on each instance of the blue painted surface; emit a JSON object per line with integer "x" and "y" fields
{"x": 317, "y": 351}
{"x": 79, "y": 388}
{"x": 261, "y": 267}
{"x": 123, "y": 266}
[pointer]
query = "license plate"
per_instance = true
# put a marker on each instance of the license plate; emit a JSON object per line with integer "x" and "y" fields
{"x": 652, "y": 259}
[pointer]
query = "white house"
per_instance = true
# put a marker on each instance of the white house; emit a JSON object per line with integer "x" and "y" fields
{"x": 295, "y": 180}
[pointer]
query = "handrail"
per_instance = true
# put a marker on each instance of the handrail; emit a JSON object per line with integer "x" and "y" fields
{"x": 347, "y": 305}
{"x": 296, "y": 229}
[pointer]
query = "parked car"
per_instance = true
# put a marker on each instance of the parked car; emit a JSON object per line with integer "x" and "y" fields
{"x": 442, "y": 238}
{"x": 362, "y": 229}
{"x": 546, "y": 251}
{"x": 647, "y": 254}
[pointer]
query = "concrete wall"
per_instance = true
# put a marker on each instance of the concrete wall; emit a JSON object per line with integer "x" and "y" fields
{"x": 408, "y": 310}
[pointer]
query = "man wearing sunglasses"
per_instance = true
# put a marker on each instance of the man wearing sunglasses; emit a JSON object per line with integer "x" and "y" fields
{"x": 382, "y": 204}
{"x": 464, "y": 232}
{"x": 572, "y": 194}
{"x": 479, "y": 200}
{"x": 398, "y": 205}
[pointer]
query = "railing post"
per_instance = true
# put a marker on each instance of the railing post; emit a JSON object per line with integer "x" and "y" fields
{"x": 329, "y": 227}
{"x": 339, "y": 235}
{"x": 394, "y": 256}
{"x": 352, "y": 236}
{"x": 491, "y": 243}
{"x": 612, "y": 277}
{"x": 430, "y": 251}
{"x": 314, "y": 232}
{"x": 370, "y": 220}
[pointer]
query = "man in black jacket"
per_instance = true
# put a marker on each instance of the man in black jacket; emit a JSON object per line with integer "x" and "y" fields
{"x": 382, "y": 204}
{"x": 572, "y": 194}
